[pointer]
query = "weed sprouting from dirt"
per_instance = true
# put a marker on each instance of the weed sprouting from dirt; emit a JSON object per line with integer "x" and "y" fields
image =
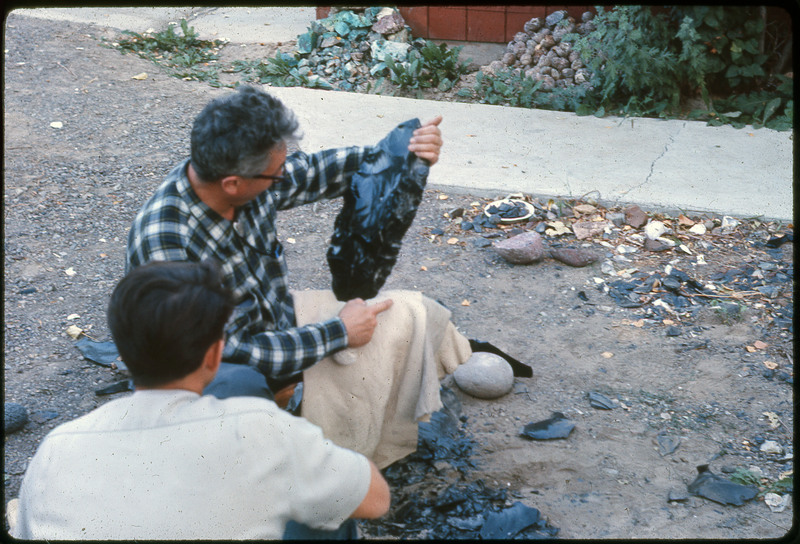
{"x": 183, "y": 55}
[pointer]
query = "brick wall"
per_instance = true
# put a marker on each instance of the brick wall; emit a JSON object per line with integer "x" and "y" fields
{"x": 496, "y": 24}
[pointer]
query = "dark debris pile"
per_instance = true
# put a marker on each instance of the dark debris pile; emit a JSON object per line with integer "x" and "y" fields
{"x": 433, "y": 499}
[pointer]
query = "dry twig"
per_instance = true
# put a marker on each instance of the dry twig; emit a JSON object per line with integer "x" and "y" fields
{"x": 67, "y": 69}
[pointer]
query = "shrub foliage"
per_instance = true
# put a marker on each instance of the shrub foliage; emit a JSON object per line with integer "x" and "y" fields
{"x": 655, "y": 63}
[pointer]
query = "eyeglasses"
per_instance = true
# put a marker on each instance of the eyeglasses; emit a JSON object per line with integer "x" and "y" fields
{"x": 275, "y": 179}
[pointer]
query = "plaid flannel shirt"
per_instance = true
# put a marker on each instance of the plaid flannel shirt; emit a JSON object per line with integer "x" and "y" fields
{"x": 175, "y": 225}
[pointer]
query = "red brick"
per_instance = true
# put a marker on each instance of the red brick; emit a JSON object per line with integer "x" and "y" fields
{"x": 447, "y": 23}
{"x": 577, "y": 11}
{"x": 501, "y": 9}
{"x": 322, "y": 12}
{"x": 531, "y": 11}
{"x": 417, "y": 19}
{"x": 515, "y": 23}
{"x": 486, "y": 26}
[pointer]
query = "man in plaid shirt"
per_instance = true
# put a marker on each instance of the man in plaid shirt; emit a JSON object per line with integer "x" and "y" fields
{"x": 221, "y": 204}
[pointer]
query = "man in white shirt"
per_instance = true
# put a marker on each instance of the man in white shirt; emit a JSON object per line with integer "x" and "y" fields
{"x": 169, "y": 463}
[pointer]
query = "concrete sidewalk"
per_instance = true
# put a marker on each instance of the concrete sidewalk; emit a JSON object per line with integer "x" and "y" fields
{"x": 494, "y": 150}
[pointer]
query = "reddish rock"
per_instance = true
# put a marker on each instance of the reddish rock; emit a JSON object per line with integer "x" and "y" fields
{"x": 573, "y": 257}
{"x": 523, "y": 248}
{"x": 589, "y": 229}
{"x": 635, "y": 217}
{"x": 389, "y": 24}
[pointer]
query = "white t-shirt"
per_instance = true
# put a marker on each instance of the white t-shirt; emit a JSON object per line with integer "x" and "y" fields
{"x": 170, "y": 464}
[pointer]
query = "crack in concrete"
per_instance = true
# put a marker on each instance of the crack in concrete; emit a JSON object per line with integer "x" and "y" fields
{"x": 653, "y": 164}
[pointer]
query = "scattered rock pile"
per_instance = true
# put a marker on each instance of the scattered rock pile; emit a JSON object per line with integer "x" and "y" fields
{"x": 540, "y": 52}
{"x": 627, "y": 242}
{"x": 347, "y": 48}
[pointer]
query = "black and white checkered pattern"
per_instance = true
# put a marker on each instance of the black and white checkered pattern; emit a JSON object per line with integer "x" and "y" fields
{"x": 175, "y": 225}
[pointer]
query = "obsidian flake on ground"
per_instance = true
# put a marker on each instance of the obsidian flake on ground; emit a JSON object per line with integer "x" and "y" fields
{"x": 462, "y": 510}
{"x": 600, "y": 401}
{"x": 521, "y": 370}
{"x": 510, "y": 522}
{"x": 101, "y": 353}
{"x": 557, "y": 426}
{"x": 718, "y": 489}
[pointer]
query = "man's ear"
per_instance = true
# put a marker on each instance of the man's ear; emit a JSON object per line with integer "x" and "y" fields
{"x": 213, "y": 356}
{"x": 231, "y": 185}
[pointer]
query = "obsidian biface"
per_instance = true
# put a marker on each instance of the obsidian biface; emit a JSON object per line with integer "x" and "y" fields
{"x": 379, "y": 207}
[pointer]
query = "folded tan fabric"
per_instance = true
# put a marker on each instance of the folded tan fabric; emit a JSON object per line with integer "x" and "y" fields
{"x": 370, "y": 399}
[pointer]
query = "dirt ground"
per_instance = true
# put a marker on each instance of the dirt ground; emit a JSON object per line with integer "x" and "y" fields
{"x": 70, "y": 194}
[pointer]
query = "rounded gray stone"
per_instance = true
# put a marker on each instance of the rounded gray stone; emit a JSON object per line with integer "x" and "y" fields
{"x": 15, "y": 417}
{"x": 485, "y": 375}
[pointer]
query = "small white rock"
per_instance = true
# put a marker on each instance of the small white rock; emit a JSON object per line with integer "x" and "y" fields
{"x": 729, "y": 222}
{"x": 770, "y": 446}
{"x": 654, "y": 229}
{"x": 667, "y": 241}
{"x": 485, "y": 375}
{"x": 699, "y": 229}
{"x": 777, "y": 503}
{"x": 608, "y": 268}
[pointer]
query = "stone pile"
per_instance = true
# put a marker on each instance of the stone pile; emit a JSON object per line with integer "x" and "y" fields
{"x": 540, "y": 52}
{"x": 348, "y": 48}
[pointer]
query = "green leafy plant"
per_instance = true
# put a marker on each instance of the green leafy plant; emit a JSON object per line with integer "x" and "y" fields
{"x": 513, "y": 88}
{"x": 406, "y": 75}
{"x": 184, "y": 55}
{"x": 745, "y": 477}
{"x": 505, "y": 88}
{"x": 652, "y": 63}
{"x": 762, "y": 108}
{"x": 443, "y": 65}
{"x": 634, "y": 65}
{"x": 282, "y": 70}
{"x": 431, "y": 66}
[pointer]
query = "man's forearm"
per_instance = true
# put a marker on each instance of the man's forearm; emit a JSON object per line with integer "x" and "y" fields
{"x": 279, "y": 354}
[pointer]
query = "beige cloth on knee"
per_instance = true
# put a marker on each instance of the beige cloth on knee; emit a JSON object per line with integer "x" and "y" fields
{"x": 369, "y": 399}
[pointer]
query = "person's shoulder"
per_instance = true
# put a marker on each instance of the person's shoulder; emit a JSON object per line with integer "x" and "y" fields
{"x": 255, "y": 412}
{"x": 170, "y": 193}
{"x": 242, "y": 406}
{"x": 93, "y": 421}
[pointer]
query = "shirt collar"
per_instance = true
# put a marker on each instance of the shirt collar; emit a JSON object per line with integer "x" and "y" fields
{"x": 210, "y": 221}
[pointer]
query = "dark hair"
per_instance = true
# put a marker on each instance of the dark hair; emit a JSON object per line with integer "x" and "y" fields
{"x": 164, "y": 316}
{"x": 234, "y": 134}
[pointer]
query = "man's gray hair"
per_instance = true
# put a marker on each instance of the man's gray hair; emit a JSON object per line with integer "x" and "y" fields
{"x": 235, "y": 134}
